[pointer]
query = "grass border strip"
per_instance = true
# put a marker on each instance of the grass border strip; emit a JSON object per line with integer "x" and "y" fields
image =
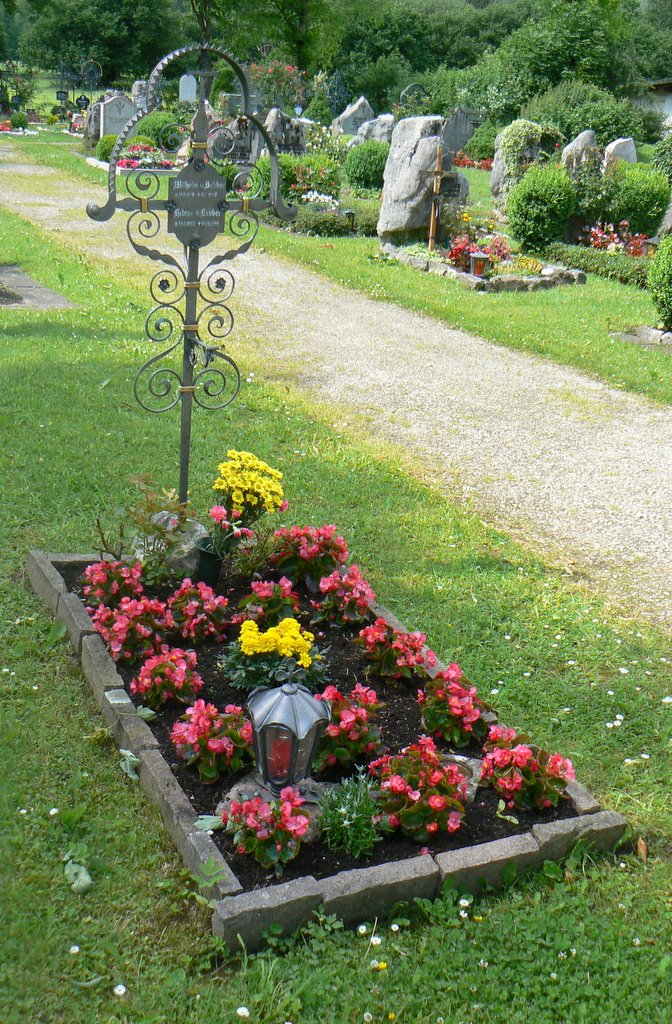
{"x": 354, "y": 895}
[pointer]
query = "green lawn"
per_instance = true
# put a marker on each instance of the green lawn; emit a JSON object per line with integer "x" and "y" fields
{"x": 594, "y": 947}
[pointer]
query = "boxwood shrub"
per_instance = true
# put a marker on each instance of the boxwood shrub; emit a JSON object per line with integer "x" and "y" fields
{"x": 540, "y": 206}
{"x": 311, "y": 222}
{"x": 153, "y": 124}
{"x": 612, "y": 265}
{"x": 104, "y": 147}
{"x": 660, "y": 281}
{"x": 641, "y": 198}
{"x": 365, "y": 164}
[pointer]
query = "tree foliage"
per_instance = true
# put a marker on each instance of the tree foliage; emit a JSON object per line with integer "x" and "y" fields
{"x": 122, "y": 35}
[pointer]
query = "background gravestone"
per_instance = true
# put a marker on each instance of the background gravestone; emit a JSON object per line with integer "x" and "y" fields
{"x": 408, "y": 180}
{"x": 114, "y": 113}
{"x": 458, "y": 131}
{"x": 353, "y": 117}
{"x": 139, "y": 94}
{"x": 188, "y": 89}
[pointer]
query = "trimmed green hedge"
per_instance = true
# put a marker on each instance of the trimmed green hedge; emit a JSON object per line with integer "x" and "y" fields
{"x": 660, "y": 281}
{"x": 612, "y": 265}
{"x": 104, "y": 147}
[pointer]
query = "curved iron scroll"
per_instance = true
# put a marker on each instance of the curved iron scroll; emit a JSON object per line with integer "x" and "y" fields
{"x": 191, "y": 317}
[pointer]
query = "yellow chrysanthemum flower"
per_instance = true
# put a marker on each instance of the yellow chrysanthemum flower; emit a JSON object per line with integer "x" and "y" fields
{"x": 286, "y": 639}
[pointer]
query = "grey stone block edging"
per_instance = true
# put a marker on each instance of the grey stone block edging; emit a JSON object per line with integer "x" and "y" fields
{"x": 551, "y": 276}
{"x": 356, "y": 895}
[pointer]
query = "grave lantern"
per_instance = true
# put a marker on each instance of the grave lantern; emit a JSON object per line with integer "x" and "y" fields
{"x": 480, "y": 261}
{"x": 287, "y": 723}
{"x": 350, "y": 217}
{"x": 651, "y": 244}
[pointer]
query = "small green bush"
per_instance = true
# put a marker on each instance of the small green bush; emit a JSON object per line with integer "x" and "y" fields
{"x": 19, "y": 120}
{"x": 595, "y": 194}
{"x": 641, "y": 198}
{"x": 366, "y": 223}
{"x": 365, "y": 164}
{"x": 662, "y": 156}
{"x": 153, "y": 124}
{"x": 660, "y": 281}
{"x": 481, "y": 145}
{"x": 541, "y": 205}
{"x": 311, "y": 222}
{"x": 53, "y": 119}
{"x": 105, "y": 146}
{"x": 612, "y": 119}
{"x": 140, "y": 140}
{"x": 653, "y": 122}
{"x": 319, "y": 110}
{"x": 615, "y": 266}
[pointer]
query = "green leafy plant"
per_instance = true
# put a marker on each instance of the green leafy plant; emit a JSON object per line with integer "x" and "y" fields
{"x": 152, "y": 125}
{"x": 481, "y": 145}
{"x": 104, "y": 147}
{"x": 365, "y": 164}
{"x": 660, "y": 281}
{"x": 540, "y": 206}
{"x": 19, "y": 120}
{"x": 642, "y": 197}
{"x": 347, "y": 816}
{"x": 662, "y": 156}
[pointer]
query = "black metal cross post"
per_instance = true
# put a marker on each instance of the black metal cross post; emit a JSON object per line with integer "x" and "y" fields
{"x": 203, "y": 205}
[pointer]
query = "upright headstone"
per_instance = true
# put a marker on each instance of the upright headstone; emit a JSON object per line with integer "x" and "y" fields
{"x": 459, "y": 130}
{"x": 114, "y": 113}
{"x": 139, "y": 93}
{"x": 188, "y": 90}
{"x": 353, "y": 117}
{"x": 409, "y": 179}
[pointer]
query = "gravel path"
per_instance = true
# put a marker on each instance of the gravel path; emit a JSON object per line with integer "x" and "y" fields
{"x": 579, "y": 471}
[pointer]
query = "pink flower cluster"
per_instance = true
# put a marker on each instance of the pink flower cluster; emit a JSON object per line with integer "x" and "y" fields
{"x": 346, "y": 598}
{"x": 134, "y": 630}
{"x": 269, "y": 602}
{"x": 107, "y": 582}
{"x": 197, "y": 612}
{"x": 170, "y": 673}
{"x": 618, "y": 240}
{"x": 395, "y": 654}
{"x": 228, "y": 533}
{"x": 313, "y": 551}
{"x": 350, "y": 736}
{"x": 451, "y": 709}
{"x": 270, "y": 832}
{"x": 214, "y": 741}
{"x": 418, "y": 793}
{"x": 525, "y": 776}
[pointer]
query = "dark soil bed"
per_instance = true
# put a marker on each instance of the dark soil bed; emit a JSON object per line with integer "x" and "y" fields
{"x": 399, "y": 722}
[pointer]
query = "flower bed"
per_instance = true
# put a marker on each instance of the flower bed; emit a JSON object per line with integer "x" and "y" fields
{"x": 397, "y": 870}
{"x": 419, "y": 781}
{"x": 511, "y": 275}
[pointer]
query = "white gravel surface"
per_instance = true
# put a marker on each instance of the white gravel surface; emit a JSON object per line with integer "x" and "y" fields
{"x": 578, "y": 470}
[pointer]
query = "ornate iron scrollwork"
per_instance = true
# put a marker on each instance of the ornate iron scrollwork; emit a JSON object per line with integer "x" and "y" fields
{"x": 218, "y": 191}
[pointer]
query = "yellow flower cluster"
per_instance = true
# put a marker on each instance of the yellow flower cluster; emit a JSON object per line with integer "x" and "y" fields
{"x": 287, "y": 639}
{"x": 249, "y": 484}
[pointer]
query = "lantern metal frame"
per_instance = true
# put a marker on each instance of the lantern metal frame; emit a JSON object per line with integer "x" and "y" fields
{"x": 479, "y": 257}
{"x": 294, "y": 709}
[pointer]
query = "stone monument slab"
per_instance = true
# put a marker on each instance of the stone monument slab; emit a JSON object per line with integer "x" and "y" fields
{"x": 114, "y": 113}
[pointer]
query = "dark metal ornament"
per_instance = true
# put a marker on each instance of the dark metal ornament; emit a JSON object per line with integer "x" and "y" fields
{"x": 203, "y": 206}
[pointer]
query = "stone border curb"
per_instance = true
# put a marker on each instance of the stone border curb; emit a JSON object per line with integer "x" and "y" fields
{"x": 356, "y": 895}
{"x": 554, "y": 276}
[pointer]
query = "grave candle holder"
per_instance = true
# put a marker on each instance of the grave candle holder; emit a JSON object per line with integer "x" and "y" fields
{"x": 206, "y": 202}
{"x": 480, "y": 261}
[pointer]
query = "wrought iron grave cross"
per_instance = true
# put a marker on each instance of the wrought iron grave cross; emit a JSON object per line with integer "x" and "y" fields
{"x": 215, "y": 195}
